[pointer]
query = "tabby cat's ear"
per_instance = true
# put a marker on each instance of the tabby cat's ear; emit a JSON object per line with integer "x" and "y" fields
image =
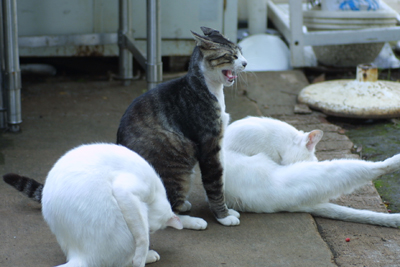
{"x": 175, "y": 222}
{"x": 204, "y": 42}
{"x": 313, "y": 138}
{"x": 208, "y": 31}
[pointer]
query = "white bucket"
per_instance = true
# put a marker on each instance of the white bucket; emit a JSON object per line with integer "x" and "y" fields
{"x": 265, "y": 52}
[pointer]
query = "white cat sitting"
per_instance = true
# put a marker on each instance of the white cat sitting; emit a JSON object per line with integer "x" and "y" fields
{"x": 271, "y": 167}
{"x": 101, "y": 201}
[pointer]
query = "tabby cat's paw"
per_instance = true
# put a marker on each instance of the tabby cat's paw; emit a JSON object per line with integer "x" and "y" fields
{"x": 193, "y": 223}
{"x": 230, "y": 220}
{"x": 152, "y": 256}
{"x": 234, "y": 213}
{"x": 186, "y": 206}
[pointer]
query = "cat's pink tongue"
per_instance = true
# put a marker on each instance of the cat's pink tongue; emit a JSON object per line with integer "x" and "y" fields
{"x": 229, "y": 75}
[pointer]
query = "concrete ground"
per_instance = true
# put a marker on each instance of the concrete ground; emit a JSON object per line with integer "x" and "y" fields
{"x": 58, "y": 116}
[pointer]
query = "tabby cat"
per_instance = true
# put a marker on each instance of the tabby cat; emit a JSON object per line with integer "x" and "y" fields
{"x": 181, "y": 123}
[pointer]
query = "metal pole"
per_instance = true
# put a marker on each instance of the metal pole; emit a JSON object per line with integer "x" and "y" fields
{"x": 12, "y": 70}
{"x": 297, "y": 34}
{"x": 125, "y": 57}
{"x": 154, "y": 63}
{"x": 2, "y": 87}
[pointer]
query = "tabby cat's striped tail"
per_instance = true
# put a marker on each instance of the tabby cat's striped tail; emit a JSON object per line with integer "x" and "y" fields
{"x": 27, "y": 186}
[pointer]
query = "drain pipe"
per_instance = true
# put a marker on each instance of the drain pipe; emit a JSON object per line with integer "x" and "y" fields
{"x": 12, "y": 75}
{"x": 154, "y": 63}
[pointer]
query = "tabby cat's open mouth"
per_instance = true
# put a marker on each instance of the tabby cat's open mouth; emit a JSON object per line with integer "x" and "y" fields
{"x": 229, "y": 75}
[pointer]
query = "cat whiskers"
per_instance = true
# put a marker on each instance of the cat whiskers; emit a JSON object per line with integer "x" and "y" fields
{"x": 242, "y": 78}
{"x": 241, "y": 82}
{"x": 238, "y": 204}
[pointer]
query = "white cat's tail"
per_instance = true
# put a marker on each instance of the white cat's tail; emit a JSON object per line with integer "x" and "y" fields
{"x": 391, "y": 164}
{"x": 135, "y": 214}
{"x": 337, "y": 212}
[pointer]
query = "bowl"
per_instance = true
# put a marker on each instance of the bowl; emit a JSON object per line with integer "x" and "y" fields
{"x": 348, "y": 55}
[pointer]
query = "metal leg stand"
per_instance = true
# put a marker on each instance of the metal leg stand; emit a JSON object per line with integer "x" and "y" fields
{"x": 125, "y": 57}
{"x": 12, "y": 73}
{"x": 3, "y": 110}
{"x": 153, "y": 64}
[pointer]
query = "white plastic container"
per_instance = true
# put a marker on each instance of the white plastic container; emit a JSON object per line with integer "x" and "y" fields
{"x": 265, "y": 53}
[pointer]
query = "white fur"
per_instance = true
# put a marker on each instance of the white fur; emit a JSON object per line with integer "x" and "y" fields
{"x": 193, "y": 223}
{"x": 101, "y": 201}
{"x": 282, "y": 142}
{"x": 232, "y": 219}
{"x": 271, "y": 167}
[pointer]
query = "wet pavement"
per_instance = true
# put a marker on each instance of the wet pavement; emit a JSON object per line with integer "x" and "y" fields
{"x": 59, "y": 115}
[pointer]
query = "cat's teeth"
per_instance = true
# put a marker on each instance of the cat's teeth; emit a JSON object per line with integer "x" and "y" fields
{"x": 229, "y": 75}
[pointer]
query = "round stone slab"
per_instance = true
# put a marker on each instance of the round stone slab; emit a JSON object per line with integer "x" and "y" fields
{"x": 354, "y": 99}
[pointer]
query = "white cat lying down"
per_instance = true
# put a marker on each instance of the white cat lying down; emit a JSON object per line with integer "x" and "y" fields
{"x": 270, "y": 167}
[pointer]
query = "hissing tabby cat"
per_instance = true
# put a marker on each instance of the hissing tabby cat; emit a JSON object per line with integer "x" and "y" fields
{"x": 101, "y": 201}
{"x": 271, "y": 167}
{"x": 181, "y": 123}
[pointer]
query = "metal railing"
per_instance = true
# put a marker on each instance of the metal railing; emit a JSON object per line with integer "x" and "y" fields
{"x": 10, "y": 102}
{"x": 10, "y": 74}
{"x": 152, "y": 61}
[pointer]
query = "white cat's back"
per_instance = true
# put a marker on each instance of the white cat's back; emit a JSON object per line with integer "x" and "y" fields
{"x": 99, "y": 159}
{"x": 280, "y": 141}
{"x": 246, "y": 135}
{"x": 250, "y": 182}
{"x": 88, "y": 172}
{"x": 94, "y": 166}
{"x": 97, "y": 199}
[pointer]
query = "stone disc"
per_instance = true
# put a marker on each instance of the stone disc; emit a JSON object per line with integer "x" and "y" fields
{"x": 354, "y": 99}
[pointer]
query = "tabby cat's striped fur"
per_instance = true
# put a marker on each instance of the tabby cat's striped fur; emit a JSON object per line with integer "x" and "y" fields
{"x": 178, "y": 124}
{"x": 181, "y": 123}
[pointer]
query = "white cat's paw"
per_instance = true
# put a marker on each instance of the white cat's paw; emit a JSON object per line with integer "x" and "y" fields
{"x": 152, "y": 256}
{"x": 230, "y": 220}
{"x": 193, "y": 223}
{"x": 234, "y": 213}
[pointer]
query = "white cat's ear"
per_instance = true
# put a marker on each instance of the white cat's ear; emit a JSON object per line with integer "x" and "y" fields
{"x": 175, "y": 222}
{"x": 204, "y": 42}
{"x": 313, "y": 138}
